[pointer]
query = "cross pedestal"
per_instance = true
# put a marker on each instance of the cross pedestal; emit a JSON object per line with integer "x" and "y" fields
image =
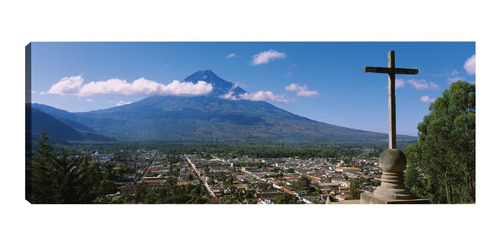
{"x": 392, "y": 189}
{"x": 392, "y": 161}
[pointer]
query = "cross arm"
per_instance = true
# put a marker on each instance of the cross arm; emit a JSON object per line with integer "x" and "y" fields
{"x": 390, "y": 70}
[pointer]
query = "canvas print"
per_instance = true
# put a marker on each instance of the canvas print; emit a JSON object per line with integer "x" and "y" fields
{"x": 250, "y": 122}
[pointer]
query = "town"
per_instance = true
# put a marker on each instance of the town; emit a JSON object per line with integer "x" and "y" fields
{"x": 214, "y": 179}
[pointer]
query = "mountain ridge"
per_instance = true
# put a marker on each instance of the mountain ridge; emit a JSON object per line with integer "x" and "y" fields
{"x": 220, "y": 86}
{"x": 212, "y": 118}
{"x": 58, "y": 129}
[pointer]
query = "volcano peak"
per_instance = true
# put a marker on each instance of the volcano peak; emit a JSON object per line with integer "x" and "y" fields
{"x": 221, "y": 86}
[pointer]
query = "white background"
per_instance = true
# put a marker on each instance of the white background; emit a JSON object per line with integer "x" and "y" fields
{"x": 22, "y": 22}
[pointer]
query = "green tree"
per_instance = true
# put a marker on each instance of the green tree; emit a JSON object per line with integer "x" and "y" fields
{"x": 64, "y": 179}
{"x": 199, "y": 200}
{"x": 39, "y": 172}
{"x": 355, "y": 188}
{"x": 302, "y": 183}
{"x": 248, "y": 194}
{"x": 441, "y": 165}
{"x": 285, "y": 199}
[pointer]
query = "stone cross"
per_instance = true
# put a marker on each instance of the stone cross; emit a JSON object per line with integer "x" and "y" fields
{"x": 391, "y": 70}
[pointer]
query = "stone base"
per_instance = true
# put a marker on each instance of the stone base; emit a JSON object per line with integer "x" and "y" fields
{"x": 369, "y": 198}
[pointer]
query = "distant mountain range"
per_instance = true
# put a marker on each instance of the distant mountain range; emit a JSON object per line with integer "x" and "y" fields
{"x": 198, "y": 118}
{"x": 59, "y": 128}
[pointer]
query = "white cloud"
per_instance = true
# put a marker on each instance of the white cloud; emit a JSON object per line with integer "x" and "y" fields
{"x": 179, "y": 88}
{"x": 229, "y": 96}
{"x": 399, "y": 83}
{"x": 470, "y": 65}
{"x": 74, "y": 86}
{"x": 423, "y": 85}
{"x": 290, "y": 71}
{"x": 263, "y": 96}
{"x": 257, "y": 96}
{"x": 121, "y": 103}
{"x": 301, "y": 90}
{"x": 231, "y": 55}
{"x": 426, "y": 99}
{"x": 111, "y": 86}
{"x": 292, "y": 87}
{"x": 237, "y": 84}
{"x": 266, "y": 56}
{"x": 89, "y": 100}
{"x": 454, "y": 79}
{"x": 67, "y": 86}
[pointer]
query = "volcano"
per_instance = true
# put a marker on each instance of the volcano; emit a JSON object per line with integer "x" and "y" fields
{"x": 213, "y": 118}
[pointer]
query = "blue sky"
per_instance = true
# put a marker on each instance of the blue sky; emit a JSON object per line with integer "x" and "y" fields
{"x": 323, "y": 81}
